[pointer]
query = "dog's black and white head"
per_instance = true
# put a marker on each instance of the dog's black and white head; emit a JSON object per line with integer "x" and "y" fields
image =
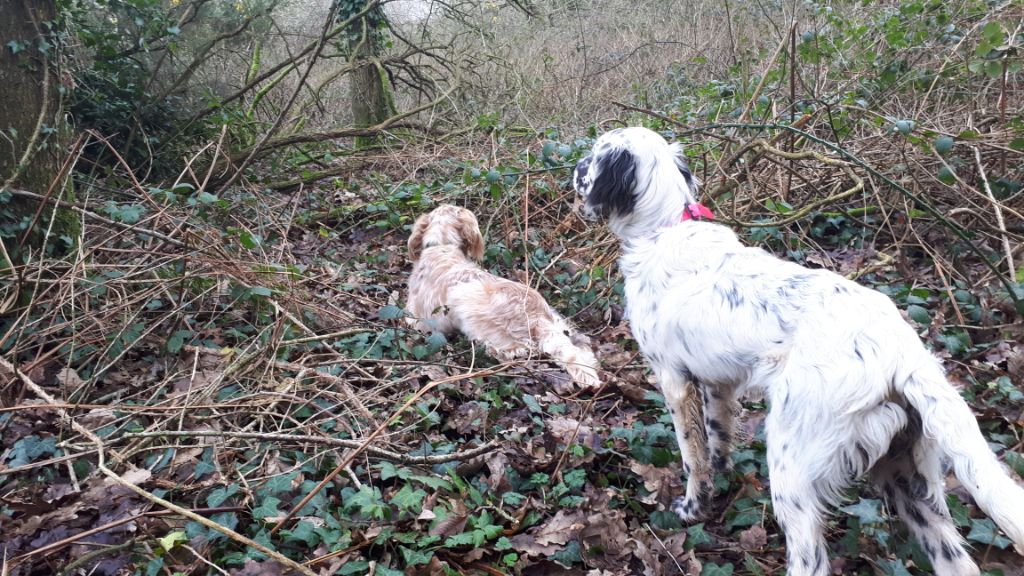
{"x": 635, "y": 180}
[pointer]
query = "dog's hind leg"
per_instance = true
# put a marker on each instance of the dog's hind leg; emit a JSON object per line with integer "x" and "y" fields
{"x": 796, "y": 497}
{"x": 719, "y": 420}
{"x": 910, "y": 477}
{"x": 684, "y": 405}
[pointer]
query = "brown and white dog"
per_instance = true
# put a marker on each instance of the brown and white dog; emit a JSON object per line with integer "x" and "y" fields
{"x": 448, "y": 291}
{"x": 852, "y": 389}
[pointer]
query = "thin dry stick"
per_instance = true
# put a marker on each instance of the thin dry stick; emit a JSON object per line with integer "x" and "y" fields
{"x": 97, "y": 217}
{"x": 365, "y": 444}
{"x": 112, "y": 524}
{"x": 101, "y": 464}
{"x": 764, "y": 76}
{"x": 997, "y": 207}
{"x": 340, "y": 442}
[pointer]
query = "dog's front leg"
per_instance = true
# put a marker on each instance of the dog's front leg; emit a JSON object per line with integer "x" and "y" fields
{"x": 684, "y": 405}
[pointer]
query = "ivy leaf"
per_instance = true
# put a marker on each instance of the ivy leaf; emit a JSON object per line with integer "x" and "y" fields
{"x": 267, "y": 509}
{"x": 919, "y": 314}
{"x": 171, "y": 540}
{"x": 177, "y": 340}
{"x": 432, "y": 482}
{"x": 435, "y": 342}
{"x": 409, "y": 499}
{"x": 697, "y": 536}
{"x": 712, "y": 569}
{"x": 868, "y": 511}
{"x": 15, "y": 46}
{"x": 303, "y": 532}
{"x": 390, "y": 312}
{"x": 665, "y": 520}
{"x": 31, "y": 448}
{"x": 220, "y": 495}
{"x": 986, "y": 532}
{"x": 531, "y": 402}
{"x": 893, "y": 568}
{"x": 278, "y": 484}
{"x": 752, "y": 566}
{"x": 568, "y": 555}
{"x": 415, "y": 557}
{"x": 388, "y": 471}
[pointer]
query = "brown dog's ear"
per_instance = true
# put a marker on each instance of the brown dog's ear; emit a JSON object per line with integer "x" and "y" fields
{"x": 416, "y": 238}
{"x": 469, "y": 231}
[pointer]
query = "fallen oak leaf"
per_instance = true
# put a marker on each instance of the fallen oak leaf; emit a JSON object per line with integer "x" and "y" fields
{"x": 551, "y": 536}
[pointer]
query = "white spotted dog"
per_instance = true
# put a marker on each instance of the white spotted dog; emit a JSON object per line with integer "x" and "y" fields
{"x": 448, "y": 291}
{"x": 851, "y": 388}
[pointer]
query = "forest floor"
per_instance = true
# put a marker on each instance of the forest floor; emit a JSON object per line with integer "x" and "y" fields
{"x": 232, "y": 377}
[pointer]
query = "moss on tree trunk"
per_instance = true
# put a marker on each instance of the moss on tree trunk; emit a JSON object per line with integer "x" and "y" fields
{"x": 372, "y": 102}
{"x": 34, "y": 134}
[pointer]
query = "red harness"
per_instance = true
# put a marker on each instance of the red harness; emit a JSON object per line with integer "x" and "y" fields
{"x": 696, "y": 211}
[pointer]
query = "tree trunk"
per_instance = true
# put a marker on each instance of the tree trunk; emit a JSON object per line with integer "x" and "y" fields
{"x": 32, "y": 134}
{"x": 370, "y": 91}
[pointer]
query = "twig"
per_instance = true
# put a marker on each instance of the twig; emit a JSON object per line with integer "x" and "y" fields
{"x": 143, "y": 493}
{"x": 764, "y": 75}
{"x": 918, "y": 199}
{"x": 83, "y": 211}
{"x": 858, "y": 183}
{"x": 340, "y": 442}
{"x": 365, "y": 444}
{"x": 322, "y": 337}
{"x": 997, "y": 207}
{"x": 44, "y": 550}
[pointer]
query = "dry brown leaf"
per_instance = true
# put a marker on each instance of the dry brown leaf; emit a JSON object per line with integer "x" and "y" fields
{"x": 753, "y": 538}
{"x": 454, "y": 523}
{"x": 562, "y": 429}
{"x": 659, "y": 482}
{"x": 551, "y": 536}
{"x": 70, "y": 379}
{"x": 607, "y": 530}
{"x": 496, "y": 464}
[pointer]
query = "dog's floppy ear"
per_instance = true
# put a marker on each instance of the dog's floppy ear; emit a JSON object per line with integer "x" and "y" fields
{"x": 416, "y": 238}
{"x": 469, "y": 231}
{"x": 612, "y": 190}
{"x": 684, "y": 169}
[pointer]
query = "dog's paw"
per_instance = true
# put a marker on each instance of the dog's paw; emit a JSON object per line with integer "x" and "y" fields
{"x": 508, "y": 354}
{"x": 688, "y": 509}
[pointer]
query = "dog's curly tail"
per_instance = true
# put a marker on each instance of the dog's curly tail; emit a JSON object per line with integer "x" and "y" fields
{"x": 948, "y": 420}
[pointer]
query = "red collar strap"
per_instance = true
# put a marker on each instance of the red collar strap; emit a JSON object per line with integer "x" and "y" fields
{"x": 696, "y": 211}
